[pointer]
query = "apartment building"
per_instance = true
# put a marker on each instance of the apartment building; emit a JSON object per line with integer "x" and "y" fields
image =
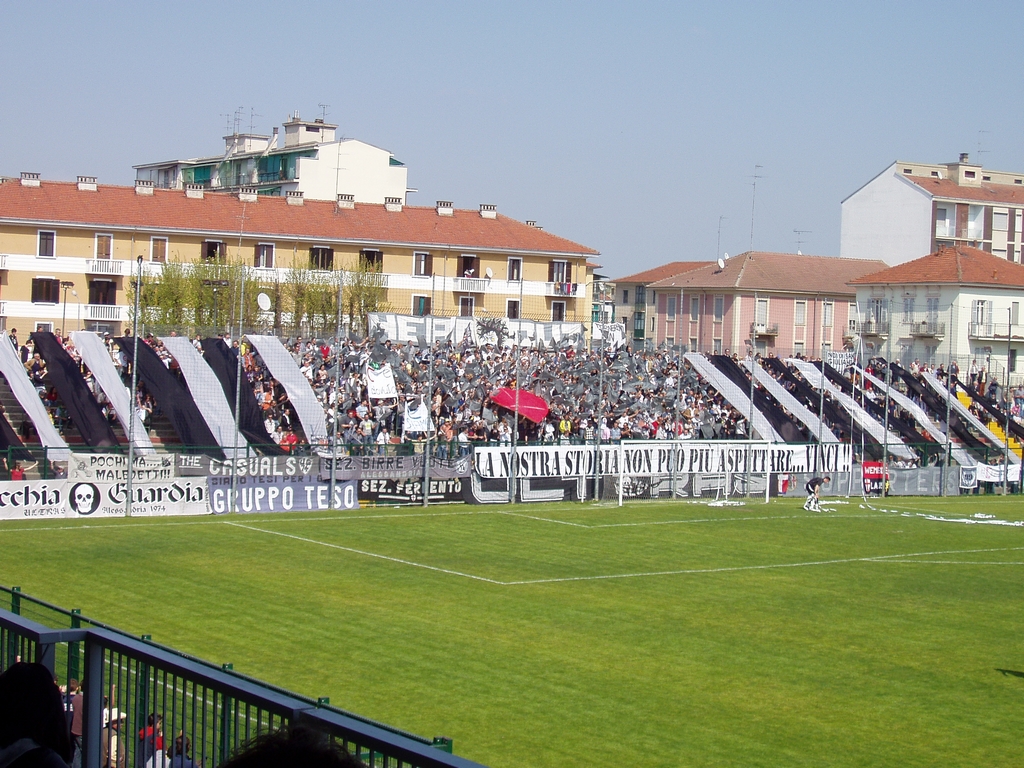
{"x": 784, "y": 303}
{"x": 958, "y": 303}
{"x": 635, "y": 300}
{"x": 310, "y": 161}
{"x": 914, "y": 208}
{"x": 68, "y": 251}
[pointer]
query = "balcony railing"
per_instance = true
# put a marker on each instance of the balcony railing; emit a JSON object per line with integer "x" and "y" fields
{"x": 3, "y": 309}
{"x": 3, "y": 261}
{"x": 994, "y": 331}
{"x": 106, "y": 267}
{"x": 470, "y": 284}
{"x": 925, "y": 328}
{"x": 871, "y": 327}
{"x": 103, "y": 312}
{"x": 764, "y": 329}
{"x": 570, "y": 290}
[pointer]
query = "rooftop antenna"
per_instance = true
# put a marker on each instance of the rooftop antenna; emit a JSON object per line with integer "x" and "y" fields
{"x": 753, "y": 199}
{"x": 227, "y": 122}
{"x": 980, "y": 150}
{"x": 800, "y": 239}
{"x": 323, "y": 111}
{"x": 252, "y": 119}
{"x": 237, "y": 119}
{"x": 718, "y": 248}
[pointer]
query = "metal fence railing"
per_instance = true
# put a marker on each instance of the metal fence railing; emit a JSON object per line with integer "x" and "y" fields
{"x": 143, "y": 700}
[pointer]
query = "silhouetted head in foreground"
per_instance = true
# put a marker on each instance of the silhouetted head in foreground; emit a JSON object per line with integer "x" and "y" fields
{"x": 31, "y": 707}
{"x": 296, "y": 747}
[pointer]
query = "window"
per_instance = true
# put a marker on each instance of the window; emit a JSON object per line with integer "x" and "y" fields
{"x": 44, "y": 327}
{"x": 469, "y": 265}
{"x": 975, "y": 222}
{"x": 466, "y": 306}
{"x": 970, "y": 174}
{"x": 1015, "y": 313}
{"x": 878, "y": 311}
{"x": 46, "y": 244}
{"x": 942, "y": 228}
{"x": 557, "y": 311}
{"x": 908, "y": 309}
{"x": 559, "y": 272}
{"x": 800, "y": 313}
{"x": 158, "y": 249}
{"x": 512, "y": 309}
{"x": 515, "y": 269}
{"x": 1011, "y": 363}
{"x": 932, "y": 303}
{"x": 102, "y": 292}
{"x": 694, "y": 308}
{"x": 372, "y": 258}
{"x": 321, "y": 257}
{"x": 827, "y": 313}
{"x": 798, "y": 347}
{"x": 45, "y": 290}
{"x": 717, "y": 346}
{"x": 761, "y": 312}
{"x": 693, "y": 343}
{"x": 671, "y": 308}
{"x": 420, "y": 305}
{"x": 827, "y": 346}
{"x": 422, "y": 264}
{"x": 625, "y": 296}
{"x": 1000, "y": 221}
{"x": 670, "y": 340}
{"x": 719, "y": 308}
{"x": 638, "y": 324}
{"x": 652, "y": 323}
{"x": 104, "y": 246}
{"x": 264, "y": 256}
{"x": 640, "y": 295}
{"x": 214, "y": 250}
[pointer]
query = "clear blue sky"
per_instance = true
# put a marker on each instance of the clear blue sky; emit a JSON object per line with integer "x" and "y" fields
{"x": 628, "y": 127}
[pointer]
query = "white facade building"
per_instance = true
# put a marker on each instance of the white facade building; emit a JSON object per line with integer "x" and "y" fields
{"x": 914, "y": 208}
{"x": 958, "y": 304}
{"x": 311, "y": 163}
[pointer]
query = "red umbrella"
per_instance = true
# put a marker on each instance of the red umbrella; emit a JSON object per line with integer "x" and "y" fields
{"x": 531, "y": 406}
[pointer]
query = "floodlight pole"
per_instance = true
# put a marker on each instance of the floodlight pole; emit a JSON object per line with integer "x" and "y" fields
{"x": 337, "y": 388}
{"x": 950, "y": 392}
{"x": 750, "y": 425}
{"x": 133, "y": 415}
{"x": 232, "y": 504}
{"x": 888, "y": 383}
{"x": 515, "y": 415}
{"x": 1006, "y": 402}
{"x": 430, "y": 402}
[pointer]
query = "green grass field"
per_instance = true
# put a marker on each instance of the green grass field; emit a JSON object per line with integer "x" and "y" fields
{"x": 659, "y": 634}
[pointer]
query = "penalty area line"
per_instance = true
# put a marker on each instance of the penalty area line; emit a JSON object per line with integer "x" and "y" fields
{"x": 367, "y": 554}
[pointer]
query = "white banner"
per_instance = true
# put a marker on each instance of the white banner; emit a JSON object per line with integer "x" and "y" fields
{"x": 405, "y": 328}
{"x": 417, "y": 419}
{"x": 663, "y": 457}
{"x": 112, "y": 468}
{"x": 32, "y": 499}
{"x": 993, "y": 473}
{"x": 380, "y": 382}
{"x": 610, "y": 334}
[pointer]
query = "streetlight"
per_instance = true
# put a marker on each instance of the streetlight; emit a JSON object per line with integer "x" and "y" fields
{"x": 216, "y": 284}
{"x": 66, "y": 285}
{"x": 132, "y": 396}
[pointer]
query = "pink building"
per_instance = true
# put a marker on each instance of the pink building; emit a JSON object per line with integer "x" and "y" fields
{"x": 787, "y": 303}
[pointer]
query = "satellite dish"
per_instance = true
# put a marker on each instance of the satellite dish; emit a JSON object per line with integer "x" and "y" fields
{"x": 721, "y": 263}
{"x": 264, "y": 302}
{"x": 489, "y": 273}
{"x": 726, "y": 256}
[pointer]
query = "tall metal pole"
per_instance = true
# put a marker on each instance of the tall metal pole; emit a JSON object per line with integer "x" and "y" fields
{"x": 238, "y": 390}
{"x": 337, "y": 388}
{"x": 1006, "y": 401}
{"x": 515, "y": 416}
{"x": 750, "y": 423}
{"x": 430, "y": 402}
{"x": 950, "y": 392}
{"x": 132, "y": 397}
{"x": 888, "y": 381}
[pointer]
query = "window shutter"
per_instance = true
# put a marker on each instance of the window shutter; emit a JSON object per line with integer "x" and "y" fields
{"x": 551, "y": 271}
{"x": 568, "y": 271}
{"x": 429, "y": 270}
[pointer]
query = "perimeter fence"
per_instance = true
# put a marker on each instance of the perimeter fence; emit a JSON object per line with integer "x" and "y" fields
{"x": 143, "y": 700}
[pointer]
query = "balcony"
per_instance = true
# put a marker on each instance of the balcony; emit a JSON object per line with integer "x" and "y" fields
{"x": 994, "y": 331}
{"x": 110, "y": 312}
{"x": 764, "y": 329}
{"x": 470, "y": 284}
{"x": 569, "y": 290}
{"x": 925, "y": 329}
{"x": 871, "y": 327}
{"x": 117, "y": 267}
{"x": 3, "y": 261}
{"x": 3, "y": 309}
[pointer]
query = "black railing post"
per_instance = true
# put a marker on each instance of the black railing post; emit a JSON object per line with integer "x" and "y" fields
{"x": 74, "y": 650}
{"x": 224, "y": 745}
{"x": 16, "y": 600}
{"x": 92, "y": 720}
{"x": 46, "y": 654}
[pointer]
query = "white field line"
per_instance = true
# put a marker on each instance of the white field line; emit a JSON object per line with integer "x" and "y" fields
{"x": 691, "y": 520}
{"x": 727, "y": 569}
{"x": 954, "y": 562}
{"x": 367, "y": 554}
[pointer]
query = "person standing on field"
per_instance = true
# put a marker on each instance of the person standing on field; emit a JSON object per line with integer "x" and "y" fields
{"x": 813, "y": 503}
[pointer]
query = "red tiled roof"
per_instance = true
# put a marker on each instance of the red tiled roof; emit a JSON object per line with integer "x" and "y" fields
{"x": 219, "y": 212}
{"x": 960, "y": 265}
{"x": 986, "y": 193}
{"x": 671, "y": 269}
{"x": 776, "y": 272}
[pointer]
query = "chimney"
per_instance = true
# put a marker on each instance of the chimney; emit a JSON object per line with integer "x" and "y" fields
{"x": 247, "y": 194}
{"x": 295, "y": 197}
{"x": 488, "y": 211}
{"x": 143, "y": 187}
{"x": 29, "y": 179}
{"x": 393, "y": 204}
{"x": 86, "y": 183}
{"x": 195, "y": 191}
{"x": 346, "y": 201}
{"x": 964, "y": 157}
{"x": 445, "y": 208}
{"x": 530, "y": 223}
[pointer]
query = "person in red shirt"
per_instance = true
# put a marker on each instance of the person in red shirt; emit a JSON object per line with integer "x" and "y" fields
{"x": 289, "y": 441}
